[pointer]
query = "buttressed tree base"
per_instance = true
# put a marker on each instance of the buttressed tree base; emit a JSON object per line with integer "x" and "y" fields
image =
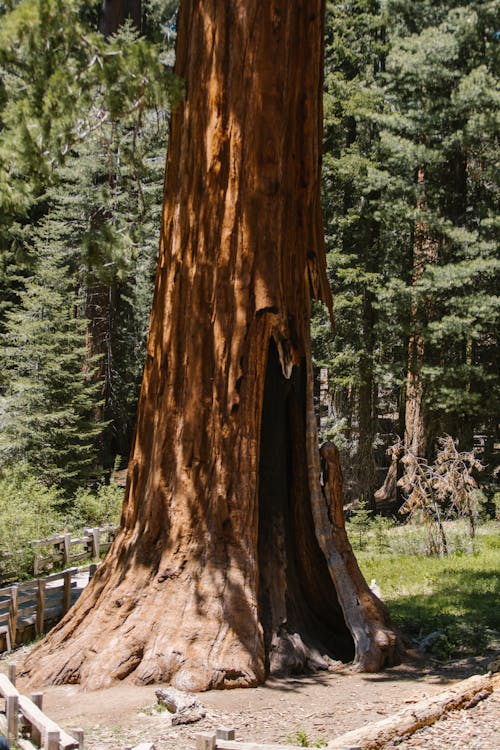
{"x": 232, "y": 560}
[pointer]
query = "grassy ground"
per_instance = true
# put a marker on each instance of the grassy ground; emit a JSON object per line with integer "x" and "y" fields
{"x": 457, "y": 597}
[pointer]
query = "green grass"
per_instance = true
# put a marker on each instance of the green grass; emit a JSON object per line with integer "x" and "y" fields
{"x": 458, "y": 595}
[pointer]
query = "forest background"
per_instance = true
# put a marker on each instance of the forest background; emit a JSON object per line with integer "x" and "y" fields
{"x": 410, "y": 197}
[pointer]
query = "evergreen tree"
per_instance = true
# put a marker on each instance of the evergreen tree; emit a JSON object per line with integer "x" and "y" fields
{"x": 46, "y": 408}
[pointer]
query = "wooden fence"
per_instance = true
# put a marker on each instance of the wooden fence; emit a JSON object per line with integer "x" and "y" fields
{"x": 63, "y": 549}
{"x": 25, "y": 723}
{"x": 28, "y": 609}
{"x": 224, "y": 739}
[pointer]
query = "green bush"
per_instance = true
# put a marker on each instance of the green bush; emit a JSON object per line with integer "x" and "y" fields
{"x": 29, "y": 510}
{"x": 97, "y": 507}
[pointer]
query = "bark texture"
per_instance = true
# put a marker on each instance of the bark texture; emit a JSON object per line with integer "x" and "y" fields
{"x": 216, "y": 577}
{"x": 425, "y": 253}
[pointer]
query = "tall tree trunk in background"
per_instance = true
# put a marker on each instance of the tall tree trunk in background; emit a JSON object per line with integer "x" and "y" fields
{"x": 217, "y": 576}
{"x": 425, "y": 253}
{"x": 365, "y": 459}
{"x": 114, "y": 13}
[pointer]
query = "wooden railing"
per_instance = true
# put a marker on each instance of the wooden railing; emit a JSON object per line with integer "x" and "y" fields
{"x": 224, "y": 739}
{"x": 28, "y": 609}
{"x": 25, "y": 723}
{"x": 63, "y": 549}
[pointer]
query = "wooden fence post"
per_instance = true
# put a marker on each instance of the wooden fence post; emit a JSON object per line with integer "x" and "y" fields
{"x": 205, "y": 742}
{"x": 96, "y": 545}
{"x": 36, "y": 736}
{"x": 51, "y": 739}
{"x": 40, "y": 607}
{"x": 78, "y": 735}
{"x": 11, "y": 673}
{"x": 67, "y": 549}
{"x": 12, "y": 712}
{"x": 36, "y": 557}
{"x": 13, "y": 614}
{"x": 225, "y": 733}
{"x": 67, "y": 591}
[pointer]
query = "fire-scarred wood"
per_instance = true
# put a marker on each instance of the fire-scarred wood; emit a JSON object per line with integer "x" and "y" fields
{"x": 216, "y": 577}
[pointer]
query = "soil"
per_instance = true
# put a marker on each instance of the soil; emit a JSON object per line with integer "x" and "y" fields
{"x": 322, "y": 706}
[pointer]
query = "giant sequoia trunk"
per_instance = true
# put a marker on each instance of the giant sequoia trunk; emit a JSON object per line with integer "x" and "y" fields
{"x": 225, "y": 568}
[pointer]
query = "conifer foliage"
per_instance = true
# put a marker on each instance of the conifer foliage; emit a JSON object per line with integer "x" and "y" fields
{"x": 83, "y": 132}
{"x": 411, "y": 211}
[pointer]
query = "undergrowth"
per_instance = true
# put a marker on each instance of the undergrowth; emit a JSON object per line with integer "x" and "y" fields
{"x": 454, "y": 599}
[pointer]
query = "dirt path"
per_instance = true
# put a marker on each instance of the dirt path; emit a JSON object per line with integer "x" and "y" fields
{"x": 323, "y": 706}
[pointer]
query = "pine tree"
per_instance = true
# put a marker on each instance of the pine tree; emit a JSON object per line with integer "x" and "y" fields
{"x": 47, "y": 405}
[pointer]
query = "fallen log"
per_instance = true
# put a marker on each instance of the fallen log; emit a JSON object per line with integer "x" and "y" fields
{"x": 421, "y": 714}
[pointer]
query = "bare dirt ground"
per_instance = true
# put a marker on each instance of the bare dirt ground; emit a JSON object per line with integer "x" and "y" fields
{"x": 323, "y": 706}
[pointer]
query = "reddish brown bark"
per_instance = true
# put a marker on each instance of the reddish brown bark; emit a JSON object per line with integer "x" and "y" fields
{"x": 377, "y": 642}
{"x": 216, "y": 577}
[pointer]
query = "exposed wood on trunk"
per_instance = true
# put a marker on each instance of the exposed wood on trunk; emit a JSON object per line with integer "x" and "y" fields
{"x": 376, "y": 641}
{"x": 421, "y": 714}
{"x": 389, "y": 491}
{"x": 216, "y": 577}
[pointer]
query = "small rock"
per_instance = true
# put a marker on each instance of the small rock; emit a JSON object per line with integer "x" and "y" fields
{"x": 375, "y": 589}
{"x": 185, "y": 707}
{"x": 494, "y": 665}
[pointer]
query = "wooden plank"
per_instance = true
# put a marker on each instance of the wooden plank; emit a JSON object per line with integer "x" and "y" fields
{"x": 5, "y": 632}
{"x": 36, "y": 735}
{"x": 67, "y": 591}
{"x": 40, "y": 607}
{"x": 36, "y": 717}
{"x": 231, "y": 745}
{"x": 51, "y": 740}
{"x": 6, "y": 687}
{"x": 225, "y": 733}
{"x": 60, "y": 576}
{"x": 26, "y": 744}
{"x": 95, "y": 543}
{"x": 12, "y": 713}
{"x": 78, "y": 735}
{"x": 47, "y": 541}
{"x": 205, "y": 742}
{"x": 67, "y": 547}
{"x": 11, "y": 673}
{"x": 13, "y": 615}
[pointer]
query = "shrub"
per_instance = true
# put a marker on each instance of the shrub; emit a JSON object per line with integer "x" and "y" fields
{"x": 98, "y": 507}
{"x": 29, "y": 510}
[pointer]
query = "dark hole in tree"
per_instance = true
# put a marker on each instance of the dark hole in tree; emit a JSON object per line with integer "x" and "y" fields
{"x": 299, "y": 609}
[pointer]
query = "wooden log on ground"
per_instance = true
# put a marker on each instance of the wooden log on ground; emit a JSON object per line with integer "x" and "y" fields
{"x": 420, "y": 714}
